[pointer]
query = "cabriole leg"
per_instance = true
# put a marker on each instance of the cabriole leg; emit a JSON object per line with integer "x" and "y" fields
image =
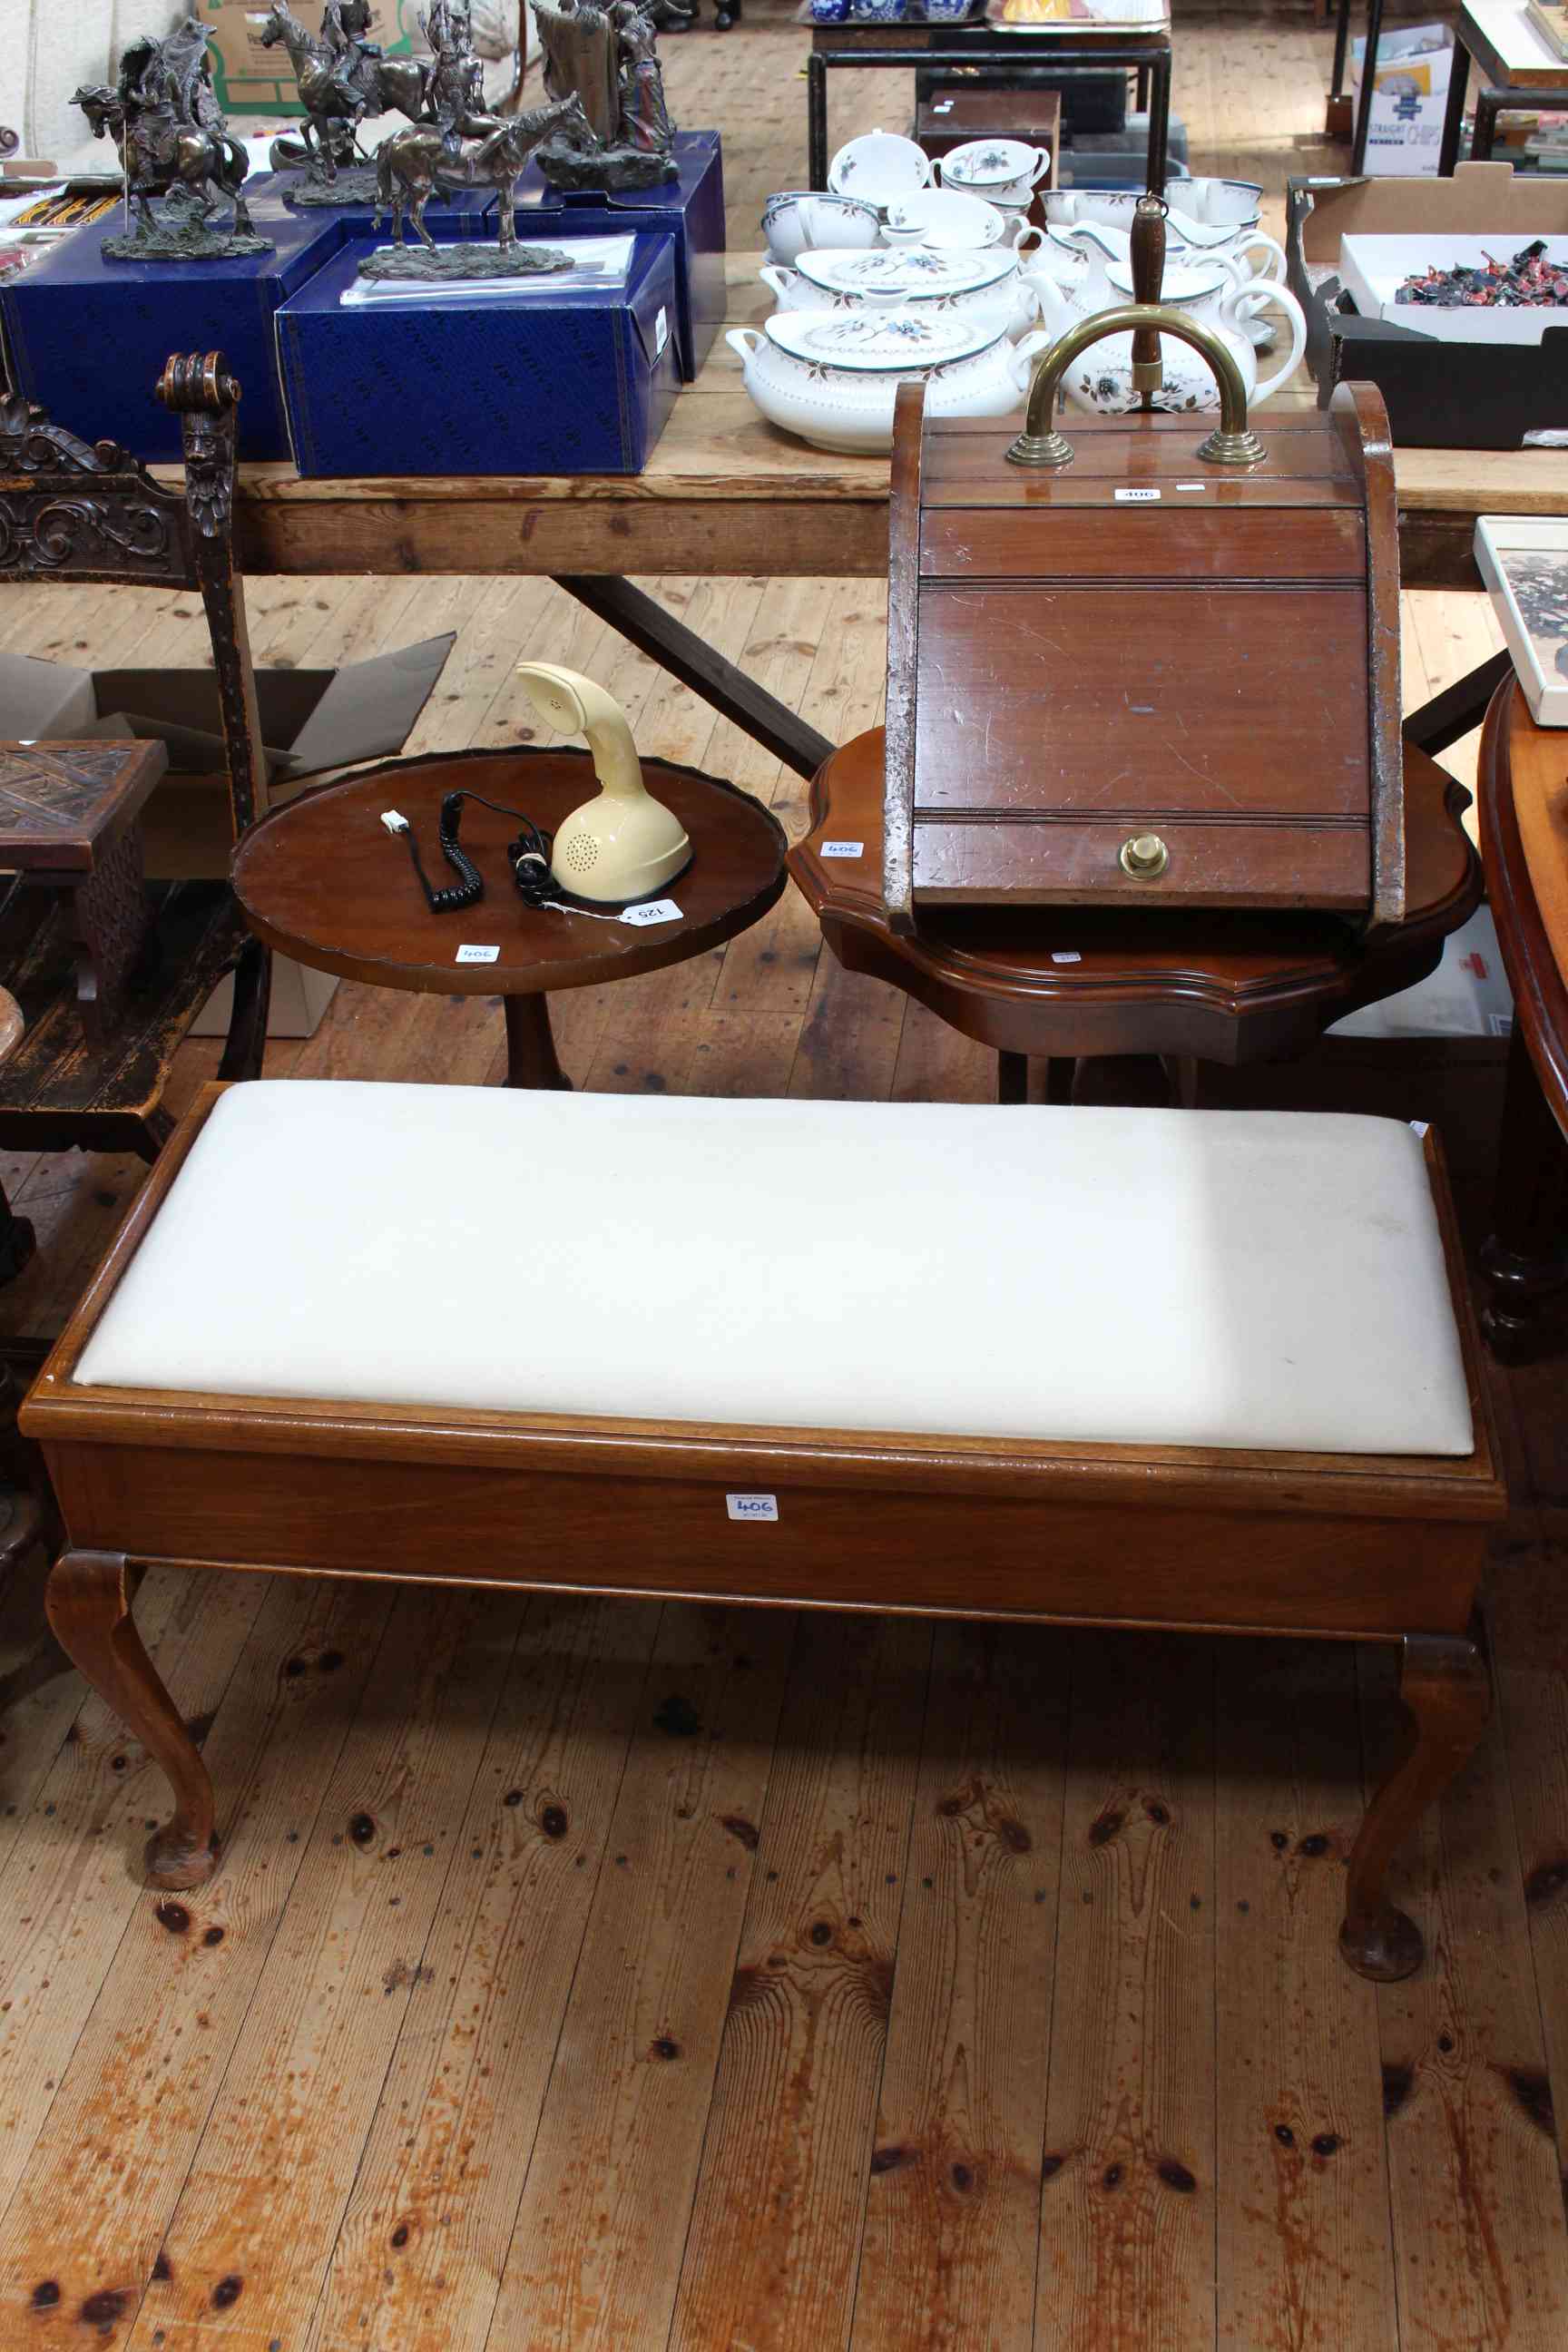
{"x": 89, "y": 1609}
{"x": 1444, "y": 1687}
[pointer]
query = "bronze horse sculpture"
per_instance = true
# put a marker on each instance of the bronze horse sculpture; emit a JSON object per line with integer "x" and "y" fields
{"x": 384, "y": 86}
{"x": 413, "y": 164}
{"x": 208, "y": 164}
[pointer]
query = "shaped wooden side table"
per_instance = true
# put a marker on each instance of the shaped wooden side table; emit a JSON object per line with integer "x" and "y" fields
{"x": 323, "y": 880}
{"x": 1061, "y": 982}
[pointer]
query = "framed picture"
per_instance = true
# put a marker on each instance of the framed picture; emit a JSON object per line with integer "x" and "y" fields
{"x": 1524, "y": 559}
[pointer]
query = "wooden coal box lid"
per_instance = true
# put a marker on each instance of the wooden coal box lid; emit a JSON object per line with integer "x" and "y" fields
{"x": 1144, "y": 677}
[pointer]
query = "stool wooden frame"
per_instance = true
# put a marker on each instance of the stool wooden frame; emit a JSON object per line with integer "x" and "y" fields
{"x": 1379, "y": 1547}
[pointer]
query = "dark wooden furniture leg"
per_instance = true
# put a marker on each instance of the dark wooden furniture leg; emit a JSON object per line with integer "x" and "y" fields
{"x": 644, "y": 623}
{"x": 1524, "y": 1258}
{"x": 89, "y": 1607}
{"x": 1443, "y": 1683}
{"x": 1012, "y": 1078}
{"x": 530, "y": 1058}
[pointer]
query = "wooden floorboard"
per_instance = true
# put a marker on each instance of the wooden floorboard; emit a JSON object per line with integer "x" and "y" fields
{"x": 586, "y": 1974}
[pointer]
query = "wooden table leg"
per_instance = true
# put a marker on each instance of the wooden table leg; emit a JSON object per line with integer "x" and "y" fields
{"x": 1524, "y": 1259}
{"x": 1443, "y": 1685}
{"x": 89, "y": 1609}
{"x": 530, "y": 1046}
{"x": 1012, "y": 1078}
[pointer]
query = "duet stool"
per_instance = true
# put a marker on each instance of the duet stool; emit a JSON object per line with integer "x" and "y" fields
{"x": 1213, "y": 1371}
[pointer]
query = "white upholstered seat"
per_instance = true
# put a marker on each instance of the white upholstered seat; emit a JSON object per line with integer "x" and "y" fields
{"x": 1136, "y": 1277}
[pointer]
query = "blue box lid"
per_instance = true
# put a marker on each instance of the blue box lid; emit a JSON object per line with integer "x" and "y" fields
{"x": 299, "y": 241}
{"x": 495, "y": 367}
{"x": 696, "y": 153}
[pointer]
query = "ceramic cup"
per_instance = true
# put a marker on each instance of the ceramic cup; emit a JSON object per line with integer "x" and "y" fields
{"x": 798, "y": 221}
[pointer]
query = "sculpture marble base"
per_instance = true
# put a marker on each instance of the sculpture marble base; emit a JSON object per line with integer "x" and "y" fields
{"x": 606, "y": 170}
{"x": 355, "y": 185}
{"x": 414, "y": 262}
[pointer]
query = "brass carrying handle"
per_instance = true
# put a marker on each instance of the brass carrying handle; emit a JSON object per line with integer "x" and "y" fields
{"x": 1232, "y": 443}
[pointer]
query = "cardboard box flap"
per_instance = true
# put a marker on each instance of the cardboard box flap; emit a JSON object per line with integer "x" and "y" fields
{"x": 192, "y": 750}
{"x": 369, "y": 710}
{"x": 1481, "y": 199}
{"x": 42, "y": 698}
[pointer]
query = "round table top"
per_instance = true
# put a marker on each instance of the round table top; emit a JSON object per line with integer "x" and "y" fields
{"x": 323, "y": 880}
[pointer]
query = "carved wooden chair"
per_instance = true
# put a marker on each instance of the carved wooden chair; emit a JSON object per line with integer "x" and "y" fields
{"x": 1142, "y": 1367}
{"x": 110, "y": 973}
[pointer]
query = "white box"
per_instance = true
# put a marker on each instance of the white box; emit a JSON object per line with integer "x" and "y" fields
{"x": 1409, "y": 99}
{"x": 1524, "y": 559}
{"x": 1373, "y": 268}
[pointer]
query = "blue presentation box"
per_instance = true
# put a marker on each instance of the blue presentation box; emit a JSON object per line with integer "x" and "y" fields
{"x": 562, "y": 378}
{"x": 89, "y": 338}
{"x": 690, "y": 209}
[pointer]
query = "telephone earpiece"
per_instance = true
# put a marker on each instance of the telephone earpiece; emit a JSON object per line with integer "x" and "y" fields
{"x": 623, "y": 843}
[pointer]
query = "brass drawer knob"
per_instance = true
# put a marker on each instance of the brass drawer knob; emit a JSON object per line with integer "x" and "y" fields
{"x": 1144, "y": 856}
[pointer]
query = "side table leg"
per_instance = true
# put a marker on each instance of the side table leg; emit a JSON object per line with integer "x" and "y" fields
{"x": 1443, "y": 1685}
{"x": 1489, "y": 104}
{"x": 1012, "y": 1078}
{"x": 1524, "y": 1258}
{"x": 1160, "y": 122}
{"x": 530, "y": 1047}
{"x": 816, "y": 122}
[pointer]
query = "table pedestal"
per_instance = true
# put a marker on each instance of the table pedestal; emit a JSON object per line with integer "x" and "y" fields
{"x": 530, "y": 1057}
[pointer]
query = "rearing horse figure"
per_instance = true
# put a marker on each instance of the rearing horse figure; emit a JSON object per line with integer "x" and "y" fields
{"x": 413, "y": 164}
{"x": 385, "y": 85}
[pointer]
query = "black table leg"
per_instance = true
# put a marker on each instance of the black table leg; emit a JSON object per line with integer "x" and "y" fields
{"x": 1368, "y": 79}
{"x": 1341, "y": 48}
{"x": 816, "y": 121}
{"x": 1489, "y": 104}
{"x": 1454, "y": 118}
{"x": 530, "y": 1047}
{"x": 1524, "y": 1260}
{"x": 1159, "y": 121}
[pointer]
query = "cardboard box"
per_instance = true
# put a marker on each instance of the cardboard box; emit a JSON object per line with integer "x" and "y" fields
{"x": 1440, "y": 395}
{"x": 311, "y": 721}
{"x": 568, "y": 377}
{"x": 690, "y": 209}
{"x": 1409, "y": 99}
{"x": 249, "y": 79}
{"x": 89, "y": 338}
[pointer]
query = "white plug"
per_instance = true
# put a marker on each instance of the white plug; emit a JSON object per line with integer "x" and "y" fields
{"x": 394, "y": 820}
